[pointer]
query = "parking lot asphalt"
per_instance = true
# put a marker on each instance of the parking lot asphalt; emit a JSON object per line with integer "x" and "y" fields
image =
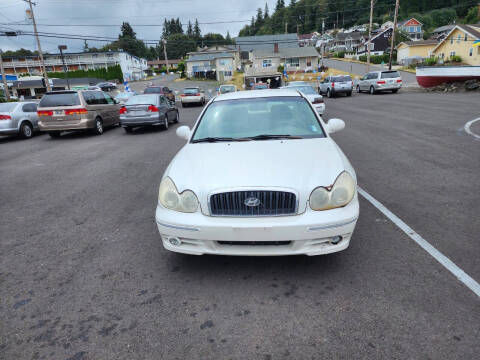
{"x": 83, "y": 274}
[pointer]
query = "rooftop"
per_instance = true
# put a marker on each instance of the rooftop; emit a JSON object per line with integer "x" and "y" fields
{"x": 209, "y": 56}
{"x": 286, "y": 52}
{"x": 248, "y": 43}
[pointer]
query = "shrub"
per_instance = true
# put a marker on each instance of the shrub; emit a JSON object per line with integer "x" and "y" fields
{"x": 340, "y": 54}
{"x": 456, "y": 58}
{"x": 376, "y": 59}
{"x": 280, "y": 68}
{"x": 430, "y": 61}
{"x": 110, "y": 73}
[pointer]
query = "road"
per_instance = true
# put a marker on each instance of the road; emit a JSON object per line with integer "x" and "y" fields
{"x": 83, "y": 274}
{"x": 361, "y": 69}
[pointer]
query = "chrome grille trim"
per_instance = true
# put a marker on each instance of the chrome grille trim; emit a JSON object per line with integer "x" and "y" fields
{"x": 272, "y": 203}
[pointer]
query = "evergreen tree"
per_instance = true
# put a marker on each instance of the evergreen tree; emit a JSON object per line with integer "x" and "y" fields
{"x": 228, "y": 39}
{"x": 266, "y": 14}
{"x": 196, "y": 29}
{"x": 190, "y": 28}
{"x": 127, "y": 32}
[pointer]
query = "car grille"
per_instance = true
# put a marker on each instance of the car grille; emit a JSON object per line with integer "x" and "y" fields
{"x": 269, "y": 203}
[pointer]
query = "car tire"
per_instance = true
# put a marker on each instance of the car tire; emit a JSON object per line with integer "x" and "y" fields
{"x": 26, "y": 130}
{"x": 329, "y": 94}
{"x": 165, "y": 123}
{"x": 372, "y": 90}
{"x": 349, "y": 93}
{"x": 203, "y": 101}
{"x": 177, "y": 118}
{"x": 128, "y": 129}
{"x": 54, "y": 134}
{"x": 98, "y": 129}
{"x": 394, "y": 91}
{"x": 358, "y": 89}
{"x": 183, "y": 105}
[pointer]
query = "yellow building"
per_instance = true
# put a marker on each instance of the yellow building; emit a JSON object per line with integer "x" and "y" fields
{"x": 414, "y": 50}
{"x": 459, "y": 42}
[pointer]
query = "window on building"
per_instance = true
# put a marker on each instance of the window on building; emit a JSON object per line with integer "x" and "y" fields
{"x": 228, "y": 73}
{"x": 411, "y": 29}
{"x": 267, "y": 63}
{"x": 309, "y": 62}
{"x": 459, "y": 38}
{"x": 419, "y": 29}
{"x": 293, "y": 62}
{"x": 470, "y": 53}
{"x": 451, "y": 40}
{"x": 452, "y": 53}
{"x": 465, "y": 38}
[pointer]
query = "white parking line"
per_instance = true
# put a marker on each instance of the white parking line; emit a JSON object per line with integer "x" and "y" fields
{"x": 469, "y": 131}
{"x": 437, "y": 255}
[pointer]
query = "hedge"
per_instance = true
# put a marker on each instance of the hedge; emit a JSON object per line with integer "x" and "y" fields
{"x": 376, "y": 59}
{"x": 110, "y": 73}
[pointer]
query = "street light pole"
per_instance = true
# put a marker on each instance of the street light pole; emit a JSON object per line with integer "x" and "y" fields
{"x": 393, "y": 34}
{"x": 45, "y": 76}
{"x": 4, "y": 77}
{"x": 370, "y": 35}
{"x": 65, "y": 70}
{"x": 165, "y": 53}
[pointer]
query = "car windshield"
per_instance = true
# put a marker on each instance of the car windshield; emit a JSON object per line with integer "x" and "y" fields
{"x": 7, "y": 107}
{"x": 307, "y": 90}
{"x": 390, "y": 74}
{"x": 342, "y": 78}
{"x": 227, "y": 89}
{"x": 60, "y": 99}
{"x": 153, "y": 90}
{"x": 142, "y": 100}
{"x": 264, "y": 118}
{"x": 191, "y": 91}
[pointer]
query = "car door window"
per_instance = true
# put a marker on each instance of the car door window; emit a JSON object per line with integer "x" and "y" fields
{"x": 99, "y": 98}
{"x": 109, "y": 99}
{"x": 29, "y": 108}
{"x": 89, "y": 98}
{"x": 163, "y": 101}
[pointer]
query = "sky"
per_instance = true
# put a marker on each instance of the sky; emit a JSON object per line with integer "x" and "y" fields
{"x": 142, "y": 12}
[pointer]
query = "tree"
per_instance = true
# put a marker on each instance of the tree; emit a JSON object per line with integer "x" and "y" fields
{"x": 85, "y": 46}
{"x": 196, "y": 29}
{"x": 266, "y": 14}
{"x": 228, "y": 39}
{"x": 178, "y": 45}
{"x": 127, "y": 31}
{"x": 472, "y": 16}
{"x": 190, "y": 28}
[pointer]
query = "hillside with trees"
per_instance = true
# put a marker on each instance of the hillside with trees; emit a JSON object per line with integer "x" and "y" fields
{"x": 306, "y": 16}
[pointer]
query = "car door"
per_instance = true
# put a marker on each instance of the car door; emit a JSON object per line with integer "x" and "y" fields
{"x": 113, "y": 109}
{"x": 30, "y": 113}
{"x": 103, "y": 107}
{"x": 164, "y": 108}
{"x": 322, "y": 85}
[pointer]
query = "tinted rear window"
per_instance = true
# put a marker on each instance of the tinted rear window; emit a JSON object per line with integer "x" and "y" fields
{"x": 390, "y": 74}
{"x": 7, "y": 107}
{"x": 143, "y": 99}
{"x": 190, "y": 91}
{"x": 153, "y": 90}
{"x": 60, "y": 99}
{"x": 342, "y": 78}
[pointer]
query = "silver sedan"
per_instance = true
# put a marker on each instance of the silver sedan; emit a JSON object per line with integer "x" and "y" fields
{"x": 18, "y": 118}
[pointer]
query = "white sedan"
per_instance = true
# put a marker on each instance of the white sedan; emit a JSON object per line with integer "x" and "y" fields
{"x": 259, "y": 175}
{"x": 310, "y": 93}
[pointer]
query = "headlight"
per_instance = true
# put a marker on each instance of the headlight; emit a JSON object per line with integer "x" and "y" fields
{"x": 169, "y": 197}
{"x": 340, "y": 195}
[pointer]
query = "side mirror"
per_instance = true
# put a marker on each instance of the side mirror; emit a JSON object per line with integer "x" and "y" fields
{"x": 183, "y": 132}
{"x": 333, "y": 125}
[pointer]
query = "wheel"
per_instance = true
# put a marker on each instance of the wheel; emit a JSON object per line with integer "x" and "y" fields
{"x": 54, "y": 134}
{"x": 128, "y": 129}
{"x": 177, "y": 118}
{"x": 98, "y": 129}
{"x": 349, "y": 93}
{"x": 165, "y": 123}
{"x": 372, "y": 90}
{"x": 329, "y": 94}
{"x": 26, "y": 130}
{"x": 203, "y": 101}
{"x": 394, "y": 91}
{"x": 358, "y": 89}
{"x": 183, "y": 105}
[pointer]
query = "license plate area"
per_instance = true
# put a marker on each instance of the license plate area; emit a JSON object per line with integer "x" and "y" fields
{"x": 58, "y": 113}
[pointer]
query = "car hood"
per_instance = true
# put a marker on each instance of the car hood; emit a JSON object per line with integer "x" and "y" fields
{"x": 298, "y": 165}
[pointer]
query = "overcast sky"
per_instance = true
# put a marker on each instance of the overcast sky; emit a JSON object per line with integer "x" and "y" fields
{"x": 72, "y": 12}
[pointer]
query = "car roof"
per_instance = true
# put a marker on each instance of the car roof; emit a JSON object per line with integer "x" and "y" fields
{"x": 251, "y": 94}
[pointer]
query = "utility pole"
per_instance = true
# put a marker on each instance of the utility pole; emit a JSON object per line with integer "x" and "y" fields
{"x": 369, "y": 35}
{"x": 45, "y": 76}
{"x": 286, "y": 28}
{"x": 4, "y": 77}
{"x": 65, "y": 69}
{"x": 298, "y": 29}
{"x": 165, "y": 52}
{"x": 323, "y": 26}
{"x": 393, "y": 34}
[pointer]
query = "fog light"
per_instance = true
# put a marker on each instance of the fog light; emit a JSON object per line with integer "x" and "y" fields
{"x": 174, "y": 241}
{"x": 336, "y": 239}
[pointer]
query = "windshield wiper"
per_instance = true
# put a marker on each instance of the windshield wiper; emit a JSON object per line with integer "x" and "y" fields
{"x": 268, "y": 137}
{"x": 215, "y": 139}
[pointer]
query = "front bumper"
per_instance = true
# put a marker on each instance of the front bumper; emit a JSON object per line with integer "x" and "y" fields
{"x": 63, "y": 125}
{"x": 310, "y": 233}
